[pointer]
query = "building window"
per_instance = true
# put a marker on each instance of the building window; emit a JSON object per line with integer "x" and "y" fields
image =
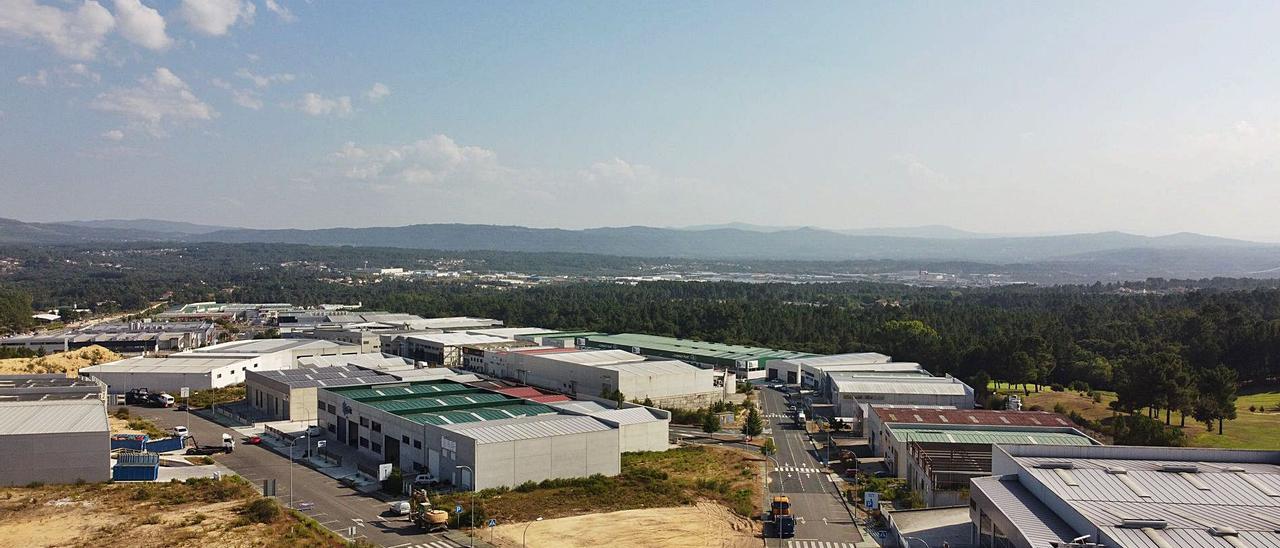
{"x": 404, "y": 440}
{"x": 364, "y": 422}
{"x": 377, "y": 448}
{"x": 377, "y": 427}
{"x": 417, "y": 444}
{"x": 320, "y": 405}
{"x": 332, "y": 429}
{"x": 330, "y": 409}
{"x": 219, "y": 375}
{"x": 364, "y": 442}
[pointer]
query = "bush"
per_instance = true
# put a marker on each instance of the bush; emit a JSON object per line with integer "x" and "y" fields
{"x": 1057, "y": 387}
{"x": 1097, "y": 397}
{"x": 1079, "y": 386}
{"x": 1252, "y": 408}
{"x": 262, "y": 510}
{"x": 1036, "y": 408}
{"x": 122, "y": 413}
{"x": 1059, "y": 409}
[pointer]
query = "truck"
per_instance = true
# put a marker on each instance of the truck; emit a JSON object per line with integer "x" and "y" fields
{"x": 424, "y": 516}
{"x": 781, "y": 520}
{"x": 228, "y": 446}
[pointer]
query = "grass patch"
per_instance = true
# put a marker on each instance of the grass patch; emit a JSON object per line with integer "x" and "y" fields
{"x": 648, "y": 480}
{"x": 206, "y": 398}
{"x": 147, "y": 427}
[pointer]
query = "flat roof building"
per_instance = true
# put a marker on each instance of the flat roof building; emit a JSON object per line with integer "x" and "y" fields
{"x": 852, "y": 396}
{"x": 598, "y": 373}
{"x": 810, "y": 371}
{"x": 214, "y": 366}
{"x": 440, "y": 349}
{"x": 125, "y": 338}
{"x": 938, "y": 460}
{"x": 437, "y": 426}
{"x": 50, "y": 387}
{"x": 1130, "y": 497}
{"x": 745, "y": 361}
{"x": 54, "y": 442}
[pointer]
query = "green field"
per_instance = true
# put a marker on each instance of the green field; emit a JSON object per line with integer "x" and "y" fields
{"x": 1250, "y": 430}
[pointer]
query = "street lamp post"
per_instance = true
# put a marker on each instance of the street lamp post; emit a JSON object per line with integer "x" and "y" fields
{"x": 525, "y": 536}
{"x": 291, "y": 447}
{"x": 473, "y": 500}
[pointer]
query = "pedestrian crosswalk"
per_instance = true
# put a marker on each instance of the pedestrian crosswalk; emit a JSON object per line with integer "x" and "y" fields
{"x": 818, "y": 544}
{"x": 776, "y": 416}
{"x": 797, "y": 469}
{"x": 436, "y": 544}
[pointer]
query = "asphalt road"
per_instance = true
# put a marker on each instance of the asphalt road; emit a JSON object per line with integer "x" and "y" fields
{"x": 821, "y": 518}
{"x": 334, "y": 505}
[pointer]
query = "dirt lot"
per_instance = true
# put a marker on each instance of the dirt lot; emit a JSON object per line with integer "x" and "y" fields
{"x": 704, "y": 525}
{"x": 62, "y": 362}
{"x": 203, "y": 513}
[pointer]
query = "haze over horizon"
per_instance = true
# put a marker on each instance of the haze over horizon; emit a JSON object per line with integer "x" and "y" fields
{"x": 997, "y": 118}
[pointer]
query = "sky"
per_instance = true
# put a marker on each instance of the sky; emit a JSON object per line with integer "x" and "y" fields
{"x": 1148, "y": 117}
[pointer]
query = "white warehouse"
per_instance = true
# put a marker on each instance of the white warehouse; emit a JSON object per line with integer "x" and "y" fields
{"x": 594, "y": 373}
{"x": 214, "y": 366}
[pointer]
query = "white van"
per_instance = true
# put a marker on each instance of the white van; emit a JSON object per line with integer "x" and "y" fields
{"x": 166, "y": 400}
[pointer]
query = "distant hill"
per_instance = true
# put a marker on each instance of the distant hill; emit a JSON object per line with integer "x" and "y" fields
{"x": 1175, "y": 255}
{"x": 149, "y": 225}
{"x": 942, "y": 232}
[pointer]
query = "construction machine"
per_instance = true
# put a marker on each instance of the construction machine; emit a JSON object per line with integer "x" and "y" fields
{"x": 784, "y": 523}
{"x": 424, "y": 516}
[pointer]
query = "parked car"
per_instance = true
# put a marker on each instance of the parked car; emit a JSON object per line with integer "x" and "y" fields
{"x": 181, "y": 431}
{"x": 423, "y": 480}
{"x": 314, "y": 431}
{"x": 400, "y": 508}
{"x": 253, "y": 440}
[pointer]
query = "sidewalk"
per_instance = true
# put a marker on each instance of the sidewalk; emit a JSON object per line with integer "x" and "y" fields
{"x": 869, "y": 540}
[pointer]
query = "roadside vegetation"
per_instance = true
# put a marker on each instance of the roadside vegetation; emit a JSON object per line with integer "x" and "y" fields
{"x": 205, "y": 398}
{"x": 196, "y": 512}
{"x": 678, "y": 477}
{"x": 136, "y": 424}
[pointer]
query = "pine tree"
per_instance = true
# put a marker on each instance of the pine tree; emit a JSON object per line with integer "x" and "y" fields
{"x": 754, "y": 425}
{"x": 710, "y": 423}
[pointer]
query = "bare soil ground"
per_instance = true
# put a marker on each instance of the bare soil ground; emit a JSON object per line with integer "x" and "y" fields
{"x": 159, "y": 515}
{"x": 68, "y": 363}
{"x": 703, "y": 525}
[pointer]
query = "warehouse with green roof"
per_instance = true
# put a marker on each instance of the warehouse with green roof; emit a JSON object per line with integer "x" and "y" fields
{"x": 747, "y": 362}
{"x": 474, "y": 438}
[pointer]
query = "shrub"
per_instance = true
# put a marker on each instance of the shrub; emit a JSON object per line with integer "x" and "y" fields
{"x": 1252, "y": 408}
{"x": 1036, "y": 408}
{"x": 262, "y": 510}
{"x": 1079, "y": 386}
{"x": 1059, "y": 409}
{"x": 1057, "y": 387}
{"x": 1097, "y": 397}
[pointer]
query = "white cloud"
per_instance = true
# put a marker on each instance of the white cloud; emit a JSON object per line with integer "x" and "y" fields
{"x": 920, "y": 173}
{"x": 282, "y": 12}
{"x": 70, "y": 76}
{"x": 113, "y": 135}
{"x": 158, "y": 101}
{"x": 264, "y": 80}
{"x": 315, "y": 104}
{"x": 215, "y": 17}
{"x": 378, "y": 92}
{"x": 76, "y": 34}
{"x": 246, "y": 98}
{"x": 142, "y": 25}
{"x": 427, "y": 161}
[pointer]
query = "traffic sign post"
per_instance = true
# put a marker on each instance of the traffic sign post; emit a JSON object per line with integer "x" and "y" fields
{"x": 185, "y": 392}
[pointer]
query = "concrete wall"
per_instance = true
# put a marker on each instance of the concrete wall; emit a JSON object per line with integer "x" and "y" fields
{"x": 572, "y": 456}
{"x": 55, "y": 458}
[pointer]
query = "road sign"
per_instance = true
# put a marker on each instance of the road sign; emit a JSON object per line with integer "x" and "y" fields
{"x": 185, "y": 391}
{"x": 320, "y": 444}
{"x": 457, "y": 509}
{"x": 871, "y": 500}
{"x": 384, "y": 471}
{"x": 493, "y": 523}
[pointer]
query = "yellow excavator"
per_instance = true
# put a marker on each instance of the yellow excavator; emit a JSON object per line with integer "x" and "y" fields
{"x": 424, "y": 516}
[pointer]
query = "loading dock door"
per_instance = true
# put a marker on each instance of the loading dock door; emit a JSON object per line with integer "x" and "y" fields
{"x": 433, "y": 464}
{"x": 391, "y": 451}
{"x": 353, "y": 433}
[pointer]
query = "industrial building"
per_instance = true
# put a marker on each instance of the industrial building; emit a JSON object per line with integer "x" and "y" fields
{"x": 440, "y": 349}
{"x": 208, "y": 311}
{"x": 939, "y": 450}
{"x": 747, "y": 362}
{"x": 50, "y": 387}
{"x": 852, "y": 396}
{"x": 598, "y": 373}
{"x": 54, "y": 442}
{"x": 639, "y": 428}
{"x": 811, "y": 372}
{"x": 214, "y": 366}
{"x": 439, "y": 426}
{"x": 125, "y": 338}
{"x": 1130, "y": 497}
{"x": 559, "y": 339}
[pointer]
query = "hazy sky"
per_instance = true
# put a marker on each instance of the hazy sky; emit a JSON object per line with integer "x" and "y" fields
{"x": 1000, "y": 117}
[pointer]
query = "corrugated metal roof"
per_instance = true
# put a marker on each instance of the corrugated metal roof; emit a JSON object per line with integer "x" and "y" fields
{"x": 262, "y": 346}
{"x": 655, "y": 368}
{"x": 695, "y": 348}
{"x": 525, "y": 429}
{"x": 581, "y": 406}
{"x": 46, "y": 417}
{"x": 593, "y": 357}
{"x": 837, "y": 360}
{"x": 1035, "y": 521}
{"x": 173, "y": 364}
{"x": 970, "y": 416}
{"x": 456, "y": 339}
{"x": 941, "y": 434}
{"x": 631, "y": 415}
{"x": 938, "y": 386}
